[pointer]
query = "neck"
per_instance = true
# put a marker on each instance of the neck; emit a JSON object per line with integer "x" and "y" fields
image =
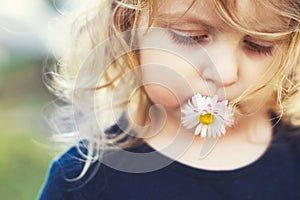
{"x": 247, "y": 139}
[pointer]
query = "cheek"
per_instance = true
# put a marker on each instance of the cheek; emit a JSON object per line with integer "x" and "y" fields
{"x": 163, "y": 96}
{"x": 165, "y": 86}
{"x": 259, "y": 70}
{"x": 166, "y": 82}
{"x": 261, "y": 101}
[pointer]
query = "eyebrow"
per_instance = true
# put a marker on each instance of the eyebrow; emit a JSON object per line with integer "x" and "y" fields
{"x": 197, "y": 21}
{"x": 212, "y": 25}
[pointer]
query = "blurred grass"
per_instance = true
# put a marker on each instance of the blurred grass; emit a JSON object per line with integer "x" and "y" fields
{"x": 24, "y": 160}
{"x": 23, "y": 164}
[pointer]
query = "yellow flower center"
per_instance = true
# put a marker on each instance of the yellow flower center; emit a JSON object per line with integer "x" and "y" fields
{"x": 206, "y": 119}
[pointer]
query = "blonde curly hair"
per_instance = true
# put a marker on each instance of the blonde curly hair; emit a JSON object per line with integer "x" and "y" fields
{"x": 111, "y": 24}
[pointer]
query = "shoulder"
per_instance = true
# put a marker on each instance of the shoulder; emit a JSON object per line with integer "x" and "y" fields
{"x": 287, "y": 138}
{"x": 63, "y": 180}
{"x": 292, "y": 133}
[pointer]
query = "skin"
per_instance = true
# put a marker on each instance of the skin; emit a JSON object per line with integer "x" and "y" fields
{"x": 221, "y": 64}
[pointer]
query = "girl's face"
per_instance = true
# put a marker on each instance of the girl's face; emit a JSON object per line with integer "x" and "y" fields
{"x": 197, "y": 52}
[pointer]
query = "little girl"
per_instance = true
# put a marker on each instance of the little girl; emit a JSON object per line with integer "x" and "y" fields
{"x": 191, "y": 99}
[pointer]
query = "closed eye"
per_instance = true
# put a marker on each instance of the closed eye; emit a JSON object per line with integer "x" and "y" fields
{"x": 260, "y": 49}
{"x": 188, "y": 40}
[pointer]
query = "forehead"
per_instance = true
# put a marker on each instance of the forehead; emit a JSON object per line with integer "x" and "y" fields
{"x": 254, "y": 15}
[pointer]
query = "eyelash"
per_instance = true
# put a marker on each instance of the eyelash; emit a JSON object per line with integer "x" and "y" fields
{"x": 186, "y": 39}
{"x": 194, "y": 40}
{"x": 266, "y": 50}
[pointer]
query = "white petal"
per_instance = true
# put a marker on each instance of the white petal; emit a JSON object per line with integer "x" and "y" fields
{"x": 192, "y": 124}
{"x": 198, "y": 129}
{"x": 190, "y": 121}
{"x": 198, "y": 105}
{"x": 209, "y": 131}
{"x": 223, "y": 130}
{"x": 213, "y": 131}
{"x": 214, "y": 100}
{"x": 203, "y": 131}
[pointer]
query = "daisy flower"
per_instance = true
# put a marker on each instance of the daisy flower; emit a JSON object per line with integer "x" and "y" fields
{"x": 208, "y": 115}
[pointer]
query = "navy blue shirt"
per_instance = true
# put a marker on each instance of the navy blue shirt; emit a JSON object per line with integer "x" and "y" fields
{"x": 275, "y": 175}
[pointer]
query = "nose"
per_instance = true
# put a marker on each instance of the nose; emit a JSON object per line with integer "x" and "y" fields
{"x": 224, "y": 66}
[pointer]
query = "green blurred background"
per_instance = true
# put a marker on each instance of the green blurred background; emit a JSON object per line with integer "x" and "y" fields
{"x": 25, "y": 150}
